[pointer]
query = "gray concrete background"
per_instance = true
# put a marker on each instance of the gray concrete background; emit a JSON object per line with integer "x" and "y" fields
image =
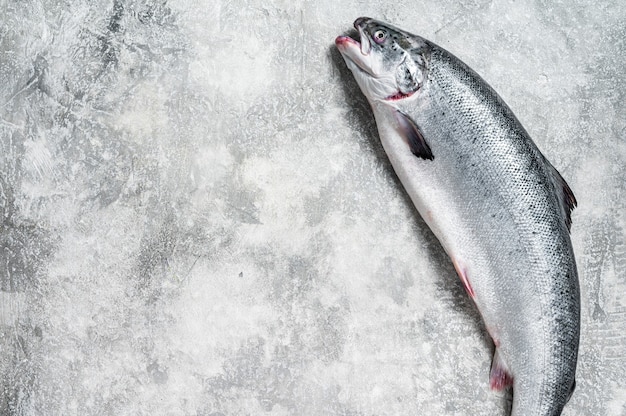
{"x": 198, "y": 218}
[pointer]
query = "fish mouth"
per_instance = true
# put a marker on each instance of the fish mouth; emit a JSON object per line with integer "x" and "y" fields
{"x": 357, "y": 52}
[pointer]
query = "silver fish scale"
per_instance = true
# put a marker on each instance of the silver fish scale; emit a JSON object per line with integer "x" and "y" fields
{"x": 508, "y": 192}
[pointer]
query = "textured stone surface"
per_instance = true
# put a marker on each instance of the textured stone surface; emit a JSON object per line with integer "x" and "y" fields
{"x": 197, "y": 217}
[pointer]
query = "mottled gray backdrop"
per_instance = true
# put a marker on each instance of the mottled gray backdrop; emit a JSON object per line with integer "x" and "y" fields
{"x": 197, "y": 217}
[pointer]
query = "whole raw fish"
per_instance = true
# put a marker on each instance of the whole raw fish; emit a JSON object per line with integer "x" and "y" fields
{"x": 499, "y": 208}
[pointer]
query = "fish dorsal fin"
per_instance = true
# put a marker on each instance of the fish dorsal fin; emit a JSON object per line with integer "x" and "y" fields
{"x": 413, "y": 136}
{"x": 566, "y": 196}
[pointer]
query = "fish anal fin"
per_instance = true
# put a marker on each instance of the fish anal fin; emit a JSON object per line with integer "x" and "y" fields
{"x": 413, "y": 136}
{"x": 566, "y": 195}
{"x": 499, "y": 378}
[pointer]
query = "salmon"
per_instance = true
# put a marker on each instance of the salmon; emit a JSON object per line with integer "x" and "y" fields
{"x": 501, "y": 211}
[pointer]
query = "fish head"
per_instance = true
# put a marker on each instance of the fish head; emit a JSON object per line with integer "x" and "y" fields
{"x": 388, "y": 63}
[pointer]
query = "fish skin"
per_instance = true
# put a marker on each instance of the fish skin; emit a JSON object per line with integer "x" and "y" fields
{"x": 499, "y": 208}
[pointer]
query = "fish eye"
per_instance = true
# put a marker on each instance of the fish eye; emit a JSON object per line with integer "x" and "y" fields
{"x": 380, "y": 36}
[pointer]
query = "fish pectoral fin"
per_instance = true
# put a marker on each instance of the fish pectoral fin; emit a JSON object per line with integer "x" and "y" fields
{"x": 499, "y": 378}
{"x": 413, "y": 136}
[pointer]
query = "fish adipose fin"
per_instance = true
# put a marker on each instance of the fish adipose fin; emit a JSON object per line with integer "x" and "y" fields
{"x": 571, "y": 390}
{"x": 499, "y": 378}
{"x": 413, "y": 136}
{"x": 565, "y": 192}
